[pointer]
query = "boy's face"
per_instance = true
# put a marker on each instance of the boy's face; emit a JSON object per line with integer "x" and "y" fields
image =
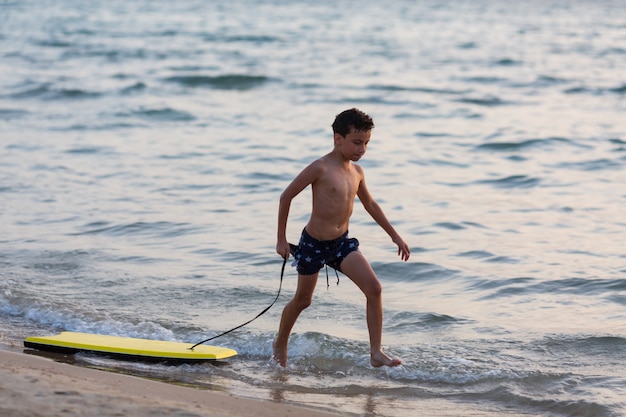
{"x": 354, "y": 144}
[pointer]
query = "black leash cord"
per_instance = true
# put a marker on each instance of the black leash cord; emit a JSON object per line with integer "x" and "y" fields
{"x": 282, "y": 273}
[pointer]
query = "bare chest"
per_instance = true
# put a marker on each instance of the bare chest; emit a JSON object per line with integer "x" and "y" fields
{"x": 341, "y": 184}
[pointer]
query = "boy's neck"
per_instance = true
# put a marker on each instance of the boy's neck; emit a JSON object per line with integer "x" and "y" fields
{"x": 338, "y": 157}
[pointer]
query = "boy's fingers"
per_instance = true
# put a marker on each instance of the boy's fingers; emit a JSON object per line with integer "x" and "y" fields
{"x": 404, "y": 253}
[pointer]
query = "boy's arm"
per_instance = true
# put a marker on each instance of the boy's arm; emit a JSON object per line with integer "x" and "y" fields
{"x": 372, "y": 207}
{"x": 306, "y": 177}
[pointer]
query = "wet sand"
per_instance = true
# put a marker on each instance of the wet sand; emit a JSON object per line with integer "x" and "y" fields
{"x": 33, "y": 386}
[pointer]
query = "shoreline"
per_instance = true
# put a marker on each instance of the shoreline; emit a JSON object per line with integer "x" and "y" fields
{"x": 35, "y": 386}
{"x": 38, "y": 386}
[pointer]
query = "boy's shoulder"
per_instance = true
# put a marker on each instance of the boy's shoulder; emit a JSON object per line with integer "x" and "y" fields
{"x": 327, "y": 165}
{"x": 322, "y": 163}
{"x": 319, "y": 163}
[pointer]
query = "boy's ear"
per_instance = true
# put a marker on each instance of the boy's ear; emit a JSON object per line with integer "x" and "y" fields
{"x": 337, "y": 137}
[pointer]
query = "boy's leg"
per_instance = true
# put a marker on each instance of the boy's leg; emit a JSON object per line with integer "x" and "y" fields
{"x": 300, "y": 301}
{"x": 356, "y": 267}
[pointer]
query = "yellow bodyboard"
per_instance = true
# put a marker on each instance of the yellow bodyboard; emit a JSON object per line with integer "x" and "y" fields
{"x": 128, "y": 347}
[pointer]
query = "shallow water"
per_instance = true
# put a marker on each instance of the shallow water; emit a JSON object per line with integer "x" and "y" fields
{"x": 144, "y": 146}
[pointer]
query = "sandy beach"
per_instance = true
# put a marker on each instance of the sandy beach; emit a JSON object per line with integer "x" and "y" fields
{"x": 32, "y": 386}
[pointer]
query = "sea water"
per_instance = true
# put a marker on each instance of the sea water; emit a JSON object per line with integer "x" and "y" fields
{"x": 144, "y": 145}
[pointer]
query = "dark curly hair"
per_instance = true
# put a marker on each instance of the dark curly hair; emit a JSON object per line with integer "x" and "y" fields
{"x": 352, "y": 119}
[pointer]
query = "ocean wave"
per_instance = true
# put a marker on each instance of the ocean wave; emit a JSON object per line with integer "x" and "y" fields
{"x": 586, "y": 349}
{"x": 165, "y": 114}
{"x": 489, "y": 284}
{"x": 522, "y": 145}
{"x": 56, "y": 318}
{"x": 582, "y": 286}
{"x": 524, "y": 398}
{"x": 256, "y": 39}
{"x": 430, "y": 371}
{"x": 11, "y": 114}
{"x": 220, "y": 82}
{"x": 428, "y": 90}
{"x": 488, "y": 101}
{"x": 89, "y": 150}
{"x": 618, "y": 90}
{"x": 609, "y": 344}
{"x": 525, "y": 285}
{"x": 411, "y": 272}
{"x": 512, "y": 181}
{"x": 546, "y": 80}
{"x": 467, "y": 45}
{"x": 597, "y": 91}
{"x": 47, "y": 92}
{"x": 449, "y": 226}
{"x": 593, "y": 165}
{"x": 411, "y": 321}
{"x": 441, "y": 163}
{"x": 488, "y": 257}
{"x": 476, "y": 254}
{"x": 220, "y": 37}
{"x": 51, "y": 43}
{"x": 160, "y": 229}
{"x": 507, "y": 62}
{"x": 617, "y": 299}
{"x": 120, "y": 54}
{"x": 612, "y": 51}
{"x": 133, "y": 89}
{"x": 95, "y": 127}
{"x": 485, "y": 80}
{"x": 268, "y": 177}
{"x": 502, "y": 260}
{"x": 183, "y": 155}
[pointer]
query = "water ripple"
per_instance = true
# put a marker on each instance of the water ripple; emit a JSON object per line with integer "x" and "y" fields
{"x": 161, "y": 229}
{"x": 512, "y": 181}
{"x": 518, "y": 146}
{"x": 220, "y": 82}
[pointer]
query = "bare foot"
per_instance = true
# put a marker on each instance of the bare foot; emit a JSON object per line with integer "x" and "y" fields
{"x": 380, "y": 359}
{"x": 279, "y": 355}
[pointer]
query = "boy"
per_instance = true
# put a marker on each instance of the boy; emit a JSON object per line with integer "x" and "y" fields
{"x": 335, "y": 181}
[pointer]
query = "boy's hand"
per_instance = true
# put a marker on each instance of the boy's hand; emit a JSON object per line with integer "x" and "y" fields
{"x": 282, "y": 248}
{"x": 403, "y": 249}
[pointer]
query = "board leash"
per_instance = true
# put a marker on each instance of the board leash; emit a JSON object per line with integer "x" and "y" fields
{"x": 282, "y": 273}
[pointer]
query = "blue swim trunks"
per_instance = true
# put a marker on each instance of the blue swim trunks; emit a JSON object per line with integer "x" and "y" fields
{"x": 311, "y": 254}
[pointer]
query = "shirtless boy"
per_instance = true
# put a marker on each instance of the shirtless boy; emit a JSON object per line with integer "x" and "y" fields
{"x": 335, "y": 181}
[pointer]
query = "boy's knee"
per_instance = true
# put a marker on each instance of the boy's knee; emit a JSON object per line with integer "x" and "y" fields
{"x": 303, "y": 302}
{"x": 375, "y": 290}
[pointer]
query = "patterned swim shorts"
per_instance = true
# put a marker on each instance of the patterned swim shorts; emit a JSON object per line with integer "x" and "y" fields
{"x": 311, "y": 254}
